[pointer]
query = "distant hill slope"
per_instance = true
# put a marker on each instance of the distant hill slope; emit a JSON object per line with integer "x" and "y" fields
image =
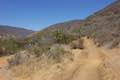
{"x": 103, "y": 26}
{"x": 14, "y": 31}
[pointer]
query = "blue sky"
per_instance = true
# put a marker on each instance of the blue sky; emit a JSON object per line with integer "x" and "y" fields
{"x": 38, "y": 14}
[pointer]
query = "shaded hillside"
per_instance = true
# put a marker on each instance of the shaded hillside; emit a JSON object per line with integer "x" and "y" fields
{"x": 103, "y": 26}
{"x": 6, "y": 31}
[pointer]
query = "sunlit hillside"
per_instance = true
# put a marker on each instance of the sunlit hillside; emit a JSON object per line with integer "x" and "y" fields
{"x": 90, "y": 63}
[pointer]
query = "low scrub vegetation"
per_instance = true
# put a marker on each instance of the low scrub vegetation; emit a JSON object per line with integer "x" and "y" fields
{"x": 26, "y": 63}
{"x": 54, "y": 54}
{"x": 9, "y": 46}
{"x": 19, "y": 58}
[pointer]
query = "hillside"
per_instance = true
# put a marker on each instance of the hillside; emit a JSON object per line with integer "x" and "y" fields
{"x": 14, "y": 31}
{"x": 103, "y": 26}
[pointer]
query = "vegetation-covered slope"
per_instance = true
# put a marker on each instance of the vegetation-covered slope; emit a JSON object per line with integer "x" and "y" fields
{"x": 103, "y": 26}
{"x": 11, "y": 39}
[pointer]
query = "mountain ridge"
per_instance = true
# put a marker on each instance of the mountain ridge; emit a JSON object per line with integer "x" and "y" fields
{"x": 14, "y": 31}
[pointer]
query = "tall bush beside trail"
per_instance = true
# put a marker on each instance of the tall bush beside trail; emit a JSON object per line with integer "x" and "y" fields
{"x": 61, "y": 38}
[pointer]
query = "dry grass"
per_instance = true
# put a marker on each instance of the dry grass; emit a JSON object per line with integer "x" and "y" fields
{"x": 92, "y": 63}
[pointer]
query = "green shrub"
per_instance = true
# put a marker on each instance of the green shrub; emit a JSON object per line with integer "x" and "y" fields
{"x": 61, "y": 38}
{"x": 79, "y": 32}
{"x": 9, "y": 46}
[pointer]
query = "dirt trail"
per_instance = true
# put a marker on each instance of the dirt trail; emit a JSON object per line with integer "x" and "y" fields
{"x": 89, "y": 70}
{"x": 99, "y": 64}
{"x": 4, "y": 73}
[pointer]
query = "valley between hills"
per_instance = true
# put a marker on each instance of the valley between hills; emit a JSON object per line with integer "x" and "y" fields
{"x": 86, "y": 49}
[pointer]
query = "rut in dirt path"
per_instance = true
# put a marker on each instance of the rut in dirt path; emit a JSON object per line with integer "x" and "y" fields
{"x": 101, "y": 64}
{"x": 89, "y": 70}
{"x": 85, "y": 65}
{"x": 97, "y": 66}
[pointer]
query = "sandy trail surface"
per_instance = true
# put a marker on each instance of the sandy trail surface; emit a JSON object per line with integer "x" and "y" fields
{"x": 4, "y": 73}
{"x": 89, "y": 70}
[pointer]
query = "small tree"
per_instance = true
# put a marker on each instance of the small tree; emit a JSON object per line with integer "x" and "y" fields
{"x": 79, "y": 32}
{"x": 60, "y": 37}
